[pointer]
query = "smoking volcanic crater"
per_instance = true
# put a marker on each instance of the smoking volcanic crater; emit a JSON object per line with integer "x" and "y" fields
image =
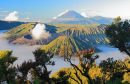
{"x": 28, "y": 40}
{"x": 38, "y": 36}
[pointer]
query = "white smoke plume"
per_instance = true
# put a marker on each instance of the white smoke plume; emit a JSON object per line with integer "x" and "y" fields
{"x": 39, "y": 32}
{"x": 12, "y": 16}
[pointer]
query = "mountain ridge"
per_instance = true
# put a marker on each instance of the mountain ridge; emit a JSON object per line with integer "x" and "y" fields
{"x": 72, "y": 17}
{"x": 74, "y": 43}
{"x": 71, "y": 14}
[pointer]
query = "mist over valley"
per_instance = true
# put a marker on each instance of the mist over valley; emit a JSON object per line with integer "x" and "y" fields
{"x": 64, "y": 42}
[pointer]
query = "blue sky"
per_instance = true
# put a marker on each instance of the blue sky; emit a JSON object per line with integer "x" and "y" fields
{"x": 44, "y": 10}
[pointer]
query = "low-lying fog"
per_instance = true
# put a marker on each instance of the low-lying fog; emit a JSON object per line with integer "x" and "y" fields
{"x": 25, "y": 53}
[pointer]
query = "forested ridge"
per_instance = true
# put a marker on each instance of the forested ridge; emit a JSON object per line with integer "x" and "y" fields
{"x": 74, "y": 43}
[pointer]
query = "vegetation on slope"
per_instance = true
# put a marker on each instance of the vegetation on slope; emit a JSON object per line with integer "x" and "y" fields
{"x": 62, "y": 27}
{"x": 74, "y": 43}
{"x": 118, "y": 76}
{"x": 20, "y": 31}
{"x": 93, "y": 35}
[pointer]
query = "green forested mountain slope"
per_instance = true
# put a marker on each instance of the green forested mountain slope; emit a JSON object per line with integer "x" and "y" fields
{"x": 20, "y": 31}
{"x": 74, "y": 43}
{"x": 93, "y": 35}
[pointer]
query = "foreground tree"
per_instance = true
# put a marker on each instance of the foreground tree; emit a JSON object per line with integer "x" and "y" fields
{"x": 7, "y": 71}
{"x": 42, "y": 59}
{"x": 114, "y": 71}
{"x": 24, "y": 69}
{"x": 119, "y": 35}
{"x": 86, "y": 60}
{"x": 38, "y": 69}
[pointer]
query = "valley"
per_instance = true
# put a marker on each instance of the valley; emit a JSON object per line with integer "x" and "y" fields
{"x": 64, "y": 42}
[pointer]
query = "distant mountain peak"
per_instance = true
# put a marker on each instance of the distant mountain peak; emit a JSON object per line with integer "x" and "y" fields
{"x": 63, "y": 13}
{"x": 69, "y": 14}
{"x": 72, "y": 17}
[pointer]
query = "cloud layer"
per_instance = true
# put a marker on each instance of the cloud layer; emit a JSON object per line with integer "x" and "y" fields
{"x": 84, "y": 14}
{"x": 12, "y": 16}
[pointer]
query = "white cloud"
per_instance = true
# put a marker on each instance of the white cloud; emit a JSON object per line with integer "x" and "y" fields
{"x": 54, "y": 17}
{"x": 12, "y": 16}
{"x": 27, "y": 18}
{"x": 84, "y": 14}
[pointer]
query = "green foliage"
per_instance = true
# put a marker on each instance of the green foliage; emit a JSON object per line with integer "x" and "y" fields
{"x": 24, "y": 69}
{"x": 94, "y": 72}
{"x": 119, "y": 35}
{"x": 38, "y": 68}
{"x": 86, "y": 61}
{"x": 62, "y": 78}
{"x": 36, "y": 81}
{"x": 7, "y": 72}
{"x": 114, "y": 70}
{"x": 109, "y": 71}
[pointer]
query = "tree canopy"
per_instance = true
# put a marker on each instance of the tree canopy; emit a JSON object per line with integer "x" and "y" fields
{"x": 118, "y": 33}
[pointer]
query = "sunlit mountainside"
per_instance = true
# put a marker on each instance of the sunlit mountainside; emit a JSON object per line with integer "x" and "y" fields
{"x": 74, "y": 43}
{"x": 93, "y": 34}
{"x": 20, "y": 30}
{"x": 69, "y": 23}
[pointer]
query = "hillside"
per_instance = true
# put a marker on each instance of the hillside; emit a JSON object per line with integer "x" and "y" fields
{"x": 75, "y": 43}
{"x": 93, "y": 35}
{"x": 6, "y": 25}
{"x": 28, "y": 40}
{"x": 19, "y": 31}
{"x": 100, "y": 20}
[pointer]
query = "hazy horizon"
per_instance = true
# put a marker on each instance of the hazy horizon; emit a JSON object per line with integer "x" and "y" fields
{"x": 46, "y": 10}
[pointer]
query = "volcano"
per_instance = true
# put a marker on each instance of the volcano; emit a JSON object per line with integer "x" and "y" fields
{"x": 71, "y": 14}
{"x": 75, "y": 43}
